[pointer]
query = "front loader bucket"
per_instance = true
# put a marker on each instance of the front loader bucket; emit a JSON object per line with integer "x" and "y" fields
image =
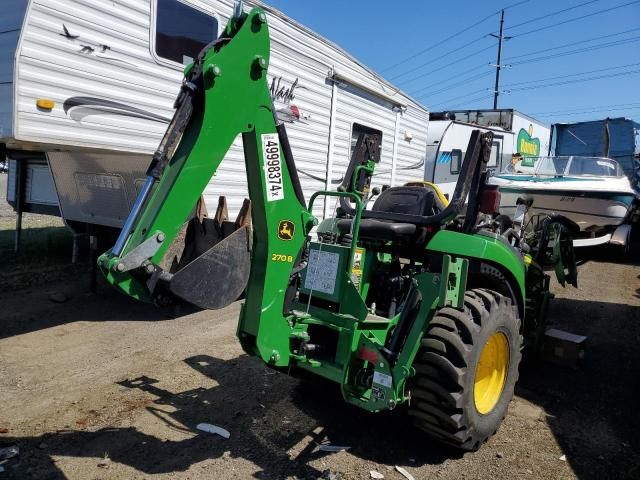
{"x": 218, "y": 277}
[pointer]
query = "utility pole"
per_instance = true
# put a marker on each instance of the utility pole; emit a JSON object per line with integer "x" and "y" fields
{"x": 496, "y": 90}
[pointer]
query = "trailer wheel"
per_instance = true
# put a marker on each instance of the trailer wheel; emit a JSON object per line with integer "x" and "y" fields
{"x": 466, "y": 369}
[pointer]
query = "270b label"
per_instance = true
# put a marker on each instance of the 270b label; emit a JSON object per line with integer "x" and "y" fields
{"x": 272, "y": 167}
{"x": 277, "y": 257}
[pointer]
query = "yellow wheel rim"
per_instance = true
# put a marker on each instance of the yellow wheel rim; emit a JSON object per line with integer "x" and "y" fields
{"x": 491, "y": 373}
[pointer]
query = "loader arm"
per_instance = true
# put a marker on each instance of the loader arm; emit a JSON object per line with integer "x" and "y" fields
{"x": 224, "y": 94}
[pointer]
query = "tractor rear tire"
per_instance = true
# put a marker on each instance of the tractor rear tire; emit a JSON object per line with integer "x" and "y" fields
{"x": 466, "y": 370}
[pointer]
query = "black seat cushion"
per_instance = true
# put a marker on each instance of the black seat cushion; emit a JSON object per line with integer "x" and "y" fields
{"x": 409, "y": 200}
{"x": 379, "y": 229}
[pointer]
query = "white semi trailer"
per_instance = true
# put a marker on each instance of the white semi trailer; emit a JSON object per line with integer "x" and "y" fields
{"x": 449, "y": 132}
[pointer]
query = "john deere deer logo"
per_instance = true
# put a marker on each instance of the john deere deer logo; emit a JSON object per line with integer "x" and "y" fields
{"x": 286, "y": 229}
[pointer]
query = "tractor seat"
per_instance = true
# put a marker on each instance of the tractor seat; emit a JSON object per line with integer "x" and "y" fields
{"x": 379, "y": 229}
{"x": 411, "y": 200}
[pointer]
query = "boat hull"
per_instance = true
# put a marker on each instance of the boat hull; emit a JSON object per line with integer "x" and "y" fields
{"x": 592, "y": 211}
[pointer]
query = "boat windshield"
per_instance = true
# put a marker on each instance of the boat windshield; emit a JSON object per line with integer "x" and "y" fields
{"x": 566, "y": 166}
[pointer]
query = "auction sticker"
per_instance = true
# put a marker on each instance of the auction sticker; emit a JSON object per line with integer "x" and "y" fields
{"x": 272, "y": 167}
{"x": 322, "y": 271}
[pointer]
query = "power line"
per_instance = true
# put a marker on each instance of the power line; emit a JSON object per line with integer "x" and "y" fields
{"x": 592, "y": 47}
{"x": 422, "y": 65}
{"x": 573, "y": 43}
{"x": 542, "y": 59}
{"x": 590, "y": 111}
{"x": 537, "y": 59}
{"x": 573, "y": 74}
{"x": 580, "y": 80}
{"x": 431, "y": 72}
{"x": 583, "y": 108}
{"x": 436, "y": 44}
{"x": 486, "y": 96}
{"x": 405, "y": 82}
{"x": 532, "y": 87}
{"x": 450, "y": 37}
{"x": 594, "y": 111}
{"x": 609, "y": 111}
{"x": 559, "y": 47}
{"x": 580, "y": 50}
{"x": 532, "y": 84}
{"x": 444, "y": 84}
{"x": 482, "y": 65}
{"x": 532, "y": 20}
{"x": 466, "y": 80}
{"x": 475, "y": 92}
{"x": 575, "y": 19}
{"x": 460, "y": 82}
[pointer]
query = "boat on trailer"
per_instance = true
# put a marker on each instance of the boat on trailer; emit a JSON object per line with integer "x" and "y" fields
{"x": 592, "y": 191}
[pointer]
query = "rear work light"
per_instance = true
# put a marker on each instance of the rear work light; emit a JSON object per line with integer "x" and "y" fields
{"x": 490, "y": 199}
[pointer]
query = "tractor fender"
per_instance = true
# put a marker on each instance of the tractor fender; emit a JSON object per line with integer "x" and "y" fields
{"x": 487, "y": 249}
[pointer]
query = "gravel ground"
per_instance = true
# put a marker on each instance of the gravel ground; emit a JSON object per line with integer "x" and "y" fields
{"x": 5, "y": 208}
{"x": 100, "y": 386}
{"x": 45, "y": 249}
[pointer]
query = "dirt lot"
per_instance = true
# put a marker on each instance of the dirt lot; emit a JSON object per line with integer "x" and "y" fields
{"x": 45, "y": 248}
{"x": 103, "y": 387}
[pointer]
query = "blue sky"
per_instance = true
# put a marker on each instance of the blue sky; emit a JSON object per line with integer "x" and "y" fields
{"x": 386, "y": 35}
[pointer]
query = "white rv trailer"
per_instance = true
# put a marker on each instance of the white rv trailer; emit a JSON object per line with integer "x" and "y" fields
{"x": 449, "y": 133}
{"x": 87, "y": 88}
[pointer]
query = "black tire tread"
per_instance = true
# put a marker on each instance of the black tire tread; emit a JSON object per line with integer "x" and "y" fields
{"x": 441, "y": 366}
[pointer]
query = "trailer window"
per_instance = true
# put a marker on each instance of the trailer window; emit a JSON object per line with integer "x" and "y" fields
{"x": 182, "y": 31}
{"x": 358, "y": 129}
{"x": 456, "y": 161}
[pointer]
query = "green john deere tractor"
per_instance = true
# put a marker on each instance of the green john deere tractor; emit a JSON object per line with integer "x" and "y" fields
{"x": 408, "y": 303}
